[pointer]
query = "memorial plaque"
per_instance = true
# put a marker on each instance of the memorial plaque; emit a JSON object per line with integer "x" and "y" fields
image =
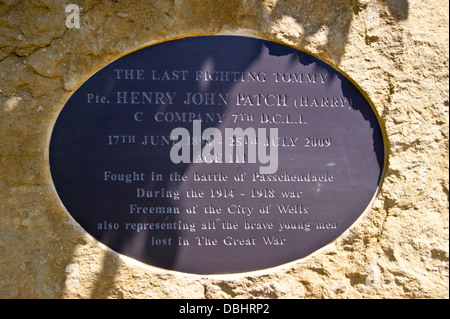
{"x": 216, "y": 154}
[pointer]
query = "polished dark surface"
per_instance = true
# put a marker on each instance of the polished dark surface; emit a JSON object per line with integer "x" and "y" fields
{"x": 110, "y": 155}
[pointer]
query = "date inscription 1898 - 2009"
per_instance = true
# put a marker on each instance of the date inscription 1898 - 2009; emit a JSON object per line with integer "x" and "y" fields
{"x": 217, "y": 154}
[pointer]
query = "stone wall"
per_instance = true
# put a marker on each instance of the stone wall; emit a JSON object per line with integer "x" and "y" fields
{"x": 396, "y": 50}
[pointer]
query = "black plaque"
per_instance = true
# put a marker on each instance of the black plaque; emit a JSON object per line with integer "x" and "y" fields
{"x": 298, "y": 154}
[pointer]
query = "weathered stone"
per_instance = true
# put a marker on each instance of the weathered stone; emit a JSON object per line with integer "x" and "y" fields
{"x": 396, "y": 51}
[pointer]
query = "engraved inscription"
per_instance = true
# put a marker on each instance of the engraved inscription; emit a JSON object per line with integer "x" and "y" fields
{"x": 190, "y": 158}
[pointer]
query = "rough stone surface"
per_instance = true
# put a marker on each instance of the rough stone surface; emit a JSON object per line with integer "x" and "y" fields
{"x": 396, "y": 50}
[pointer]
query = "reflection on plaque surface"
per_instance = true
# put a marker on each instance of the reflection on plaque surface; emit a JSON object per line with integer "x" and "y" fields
{"x": 216, "y": 154}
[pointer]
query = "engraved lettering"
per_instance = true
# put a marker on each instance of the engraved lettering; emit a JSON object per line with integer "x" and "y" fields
{"x": 230, "y": 76}
{"x": 166, "y": 75}
{"x": 206, "y": 98}
{"x": 189, "y": 149}
{"x": 300, "y": 77}
{"x": 261, "y": 99}
{"x": 158, "y": 98}
{"x": 129, "y": 74}
{"x": 109, "y": 176}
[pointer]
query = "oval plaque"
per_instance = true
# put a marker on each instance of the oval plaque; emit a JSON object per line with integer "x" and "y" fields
{"x": 216, "y": 154}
